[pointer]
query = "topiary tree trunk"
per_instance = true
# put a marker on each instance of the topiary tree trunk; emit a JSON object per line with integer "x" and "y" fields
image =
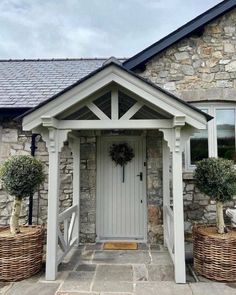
{"x": 14, "y": 221}
{"x": 220, "y": 223}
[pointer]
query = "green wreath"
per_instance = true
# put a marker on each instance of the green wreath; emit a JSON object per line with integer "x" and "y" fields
{"x": 121, "y": 153}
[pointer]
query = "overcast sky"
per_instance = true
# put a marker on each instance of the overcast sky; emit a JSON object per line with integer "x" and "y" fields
{"x": 89, "y": 28}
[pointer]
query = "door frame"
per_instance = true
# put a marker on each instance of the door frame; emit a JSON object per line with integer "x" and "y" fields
{"x": 144, "y": 185}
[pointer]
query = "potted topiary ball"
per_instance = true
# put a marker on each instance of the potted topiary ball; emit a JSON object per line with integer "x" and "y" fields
{"x": 215, "y": 245}
{"x": 21, "y": 247}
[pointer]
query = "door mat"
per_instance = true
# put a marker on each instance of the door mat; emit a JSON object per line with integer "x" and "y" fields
{"x": 120, "y": 246}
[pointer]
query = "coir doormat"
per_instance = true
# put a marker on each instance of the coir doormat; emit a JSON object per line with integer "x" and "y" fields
{"x": 120, "y": 246}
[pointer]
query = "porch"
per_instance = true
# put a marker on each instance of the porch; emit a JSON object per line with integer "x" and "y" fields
{"x": 90, "y": 270}
{"x": 113, "y": 99}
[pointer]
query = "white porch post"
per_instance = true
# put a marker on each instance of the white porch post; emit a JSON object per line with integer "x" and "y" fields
{"x": 177, "y": 181}
{"x": 175, "y": 141}
{"x": 166, "y": 184}
{"x": 74, "y": 143}
{"x": 54, "y": 139}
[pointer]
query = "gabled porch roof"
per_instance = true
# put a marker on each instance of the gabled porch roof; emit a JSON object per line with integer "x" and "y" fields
{"x": 103, "y": 79}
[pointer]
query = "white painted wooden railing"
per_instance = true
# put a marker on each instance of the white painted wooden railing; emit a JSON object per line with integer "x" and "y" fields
{"x": 169, "y": 239}
{"x": 67, "y": 240}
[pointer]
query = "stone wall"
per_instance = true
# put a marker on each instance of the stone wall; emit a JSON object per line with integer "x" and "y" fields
{"x": 154, "y": 186}
{"x": 88, "y": 190}
{"x": 16, "y": 142}
{"x": 202, "y": 67}
{"x": 199, "y": 68}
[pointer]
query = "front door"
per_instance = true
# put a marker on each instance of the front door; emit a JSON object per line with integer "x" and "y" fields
{"x": 121, "y": 194}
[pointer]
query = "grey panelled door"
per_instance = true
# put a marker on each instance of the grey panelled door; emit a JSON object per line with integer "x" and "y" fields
{"x": 121, "y": 206}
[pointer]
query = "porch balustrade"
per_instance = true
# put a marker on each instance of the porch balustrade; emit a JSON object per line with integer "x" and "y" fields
{"x": 169, "y": 234}
{"x": 67, "y": 240}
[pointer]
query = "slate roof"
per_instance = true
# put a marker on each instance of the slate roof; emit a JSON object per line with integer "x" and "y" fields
{"x": 189, "y": 28}
{"x": 26, "y": 83}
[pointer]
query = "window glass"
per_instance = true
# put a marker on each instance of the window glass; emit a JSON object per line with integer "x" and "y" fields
{"x": 225, "y": 124}
{"x": 199, "y": 145}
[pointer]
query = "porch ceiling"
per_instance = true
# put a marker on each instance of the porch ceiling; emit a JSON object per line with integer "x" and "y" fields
{"x": 114, "y": 98}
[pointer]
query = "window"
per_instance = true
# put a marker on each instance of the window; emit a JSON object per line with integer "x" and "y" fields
{"x": 225, "y": 124}
{"x": 199, "y": 145}
{"x": 218, "y": 140}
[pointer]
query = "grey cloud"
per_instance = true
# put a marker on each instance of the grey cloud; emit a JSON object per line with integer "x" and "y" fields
{"x": 83, "y": 28}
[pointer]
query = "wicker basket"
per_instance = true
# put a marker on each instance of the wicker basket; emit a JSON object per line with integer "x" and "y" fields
{"x": 21, "y": 255}
{"x": 214, "y": 257}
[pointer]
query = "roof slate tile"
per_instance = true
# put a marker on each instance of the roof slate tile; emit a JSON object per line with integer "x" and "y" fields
{"x": 26, "y": 83}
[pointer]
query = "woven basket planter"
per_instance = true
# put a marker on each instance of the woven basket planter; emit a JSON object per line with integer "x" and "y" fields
{"x": 21, "y": 255}
{"x": 214, "y": 255}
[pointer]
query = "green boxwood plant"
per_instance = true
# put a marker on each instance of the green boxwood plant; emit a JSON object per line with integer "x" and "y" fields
{"x": 21, "y": 176}
{"x": 216, "y": 177}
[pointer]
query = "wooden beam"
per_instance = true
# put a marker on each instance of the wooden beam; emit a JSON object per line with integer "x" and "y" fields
{"x": 114, "y": 104}
{"x": 97, "y": 112}
{"x": 114, "y": 124}
{"x": 83, "y": 103}
{"x": 132, "y": 111}
{"x": 166, "y": 184}
{"x": 142, "y": 100}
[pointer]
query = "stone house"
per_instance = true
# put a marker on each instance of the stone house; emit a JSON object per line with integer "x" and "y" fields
{"x": 70, "y": 113}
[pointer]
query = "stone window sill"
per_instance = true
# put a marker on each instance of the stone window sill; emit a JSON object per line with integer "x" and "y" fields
{"x": 187, "y": 175}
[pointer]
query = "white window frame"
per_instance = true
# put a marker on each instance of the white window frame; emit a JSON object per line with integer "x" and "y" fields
{"x": 212, "y": 130}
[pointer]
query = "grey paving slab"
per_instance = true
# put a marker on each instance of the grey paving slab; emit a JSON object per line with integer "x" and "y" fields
{"x": 97, "y": 246}
{"x": 78, "y": 257}
{"x": 156, "y": 247}
{"x": 61, "y": 276}
{"x": 110, "y": 286}
{"x": 73, "y": 254}
{"x": 162, "y": 288}
{"x": 143, "y": 246}
{"x": 213, "y": 289}
{"x": 26, "y": 288}
{"x": 140, "y": 272}
{"x": 70, "y": 260}
{"x": 160, "y": 272}
{"x": 121, "y": 257}
{"x": 161, "y": 258}
{"x": 86, "y": 267}
{"x": 77, "y": 293}
{"x": 114, "y": 273}
{"x": 97, "y": 272}
{"x": 86, "y": 255}
{"x": 78, "y": 281}
{"x": 231, "y": 285}
{"x": 4, "y": 287}
{"x": 35, "y": 278}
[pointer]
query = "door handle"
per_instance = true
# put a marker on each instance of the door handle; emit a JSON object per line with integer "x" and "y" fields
{"x": 140, "y": 176}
